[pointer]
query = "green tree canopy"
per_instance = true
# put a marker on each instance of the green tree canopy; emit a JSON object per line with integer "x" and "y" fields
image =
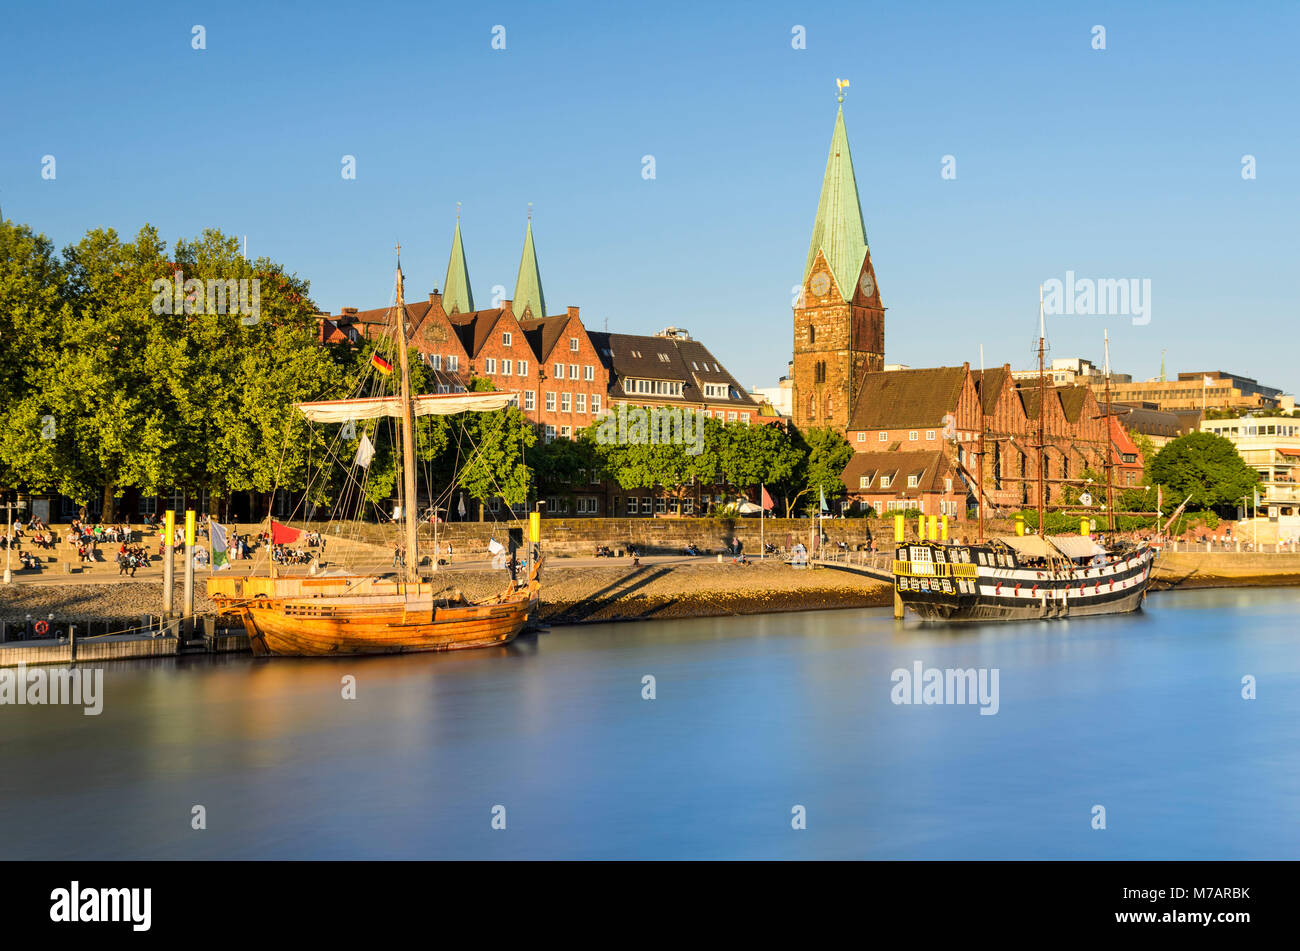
{"x": 1205, "y": 466}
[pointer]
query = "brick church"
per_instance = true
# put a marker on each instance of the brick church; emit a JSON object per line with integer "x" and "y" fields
{"x": 915, "y": 432}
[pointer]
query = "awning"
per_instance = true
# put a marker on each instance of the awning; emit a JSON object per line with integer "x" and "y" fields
{"x": 1077, "y": 546}
{"x": 1031, "y": 546}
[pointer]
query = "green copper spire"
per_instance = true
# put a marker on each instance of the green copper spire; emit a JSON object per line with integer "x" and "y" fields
{"x": 838, "y": 231}
{"x": 528, "y": 286}
{"x": 456, "y": 294}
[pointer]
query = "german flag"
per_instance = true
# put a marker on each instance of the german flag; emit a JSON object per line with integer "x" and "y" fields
{"x": 380, "y": 364}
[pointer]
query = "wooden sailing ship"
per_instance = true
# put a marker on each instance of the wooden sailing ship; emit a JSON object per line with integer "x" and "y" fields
{"x": 367, "y": 614}
{"x": 1034, "y": 577}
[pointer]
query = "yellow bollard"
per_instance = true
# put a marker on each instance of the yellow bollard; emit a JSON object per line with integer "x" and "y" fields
{"x": 534, "y": 527}
{"x": 900, "y": 530}
{"x": 1020, "y": 524}
{"x": 943, "y": 528}
{"x": 920, "y": 528}
{"x": 934, "y": 528}
{"x": 1083, "y": 527}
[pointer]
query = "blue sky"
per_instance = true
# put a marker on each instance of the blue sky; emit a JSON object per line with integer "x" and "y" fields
{"x": 1122, "y": 163}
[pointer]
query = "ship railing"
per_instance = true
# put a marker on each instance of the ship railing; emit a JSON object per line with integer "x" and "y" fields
{"x": 935, "y": 569}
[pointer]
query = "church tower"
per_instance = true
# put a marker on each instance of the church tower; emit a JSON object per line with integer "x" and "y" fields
{"x": 839, "y": 321}
{"x": 529, "y": 301}
{"x": 456, "y": 294}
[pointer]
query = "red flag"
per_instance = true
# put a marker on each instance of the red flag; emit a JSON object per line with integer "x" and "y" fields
{"x": 283, "y": 534}
{"x": 767, "y": 502}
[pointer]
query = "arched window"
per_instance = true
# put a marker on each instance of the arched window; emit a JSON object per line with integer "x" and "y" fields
{"x": 812, "y": 406}
{"x": 829, "y": 405}
{"x": 812, "y": 334}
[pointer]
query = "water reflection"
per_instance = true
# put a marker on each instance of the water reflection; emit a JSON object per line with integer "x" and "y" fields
{"x": 753, "y": 715}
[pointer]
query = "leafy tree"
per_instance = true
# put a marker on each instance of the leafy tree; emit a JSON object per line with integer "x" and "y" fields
{"x": 495, "y": 465}
{"x": 825, "y": 454}
{"x": 1205, "y": 466}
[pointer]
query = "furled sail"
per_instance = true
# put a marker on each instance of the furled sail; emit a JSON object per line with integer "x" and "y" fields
{"x": 370, "y": 407}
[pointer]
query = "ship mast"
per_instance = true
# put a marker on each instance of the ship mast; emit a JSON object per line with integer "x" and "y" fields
{"x": 1110, "y": 508}
{"x": 1042, "y": 417}
{"x": 979, "y": 471}
{"x": 407, "y": 436}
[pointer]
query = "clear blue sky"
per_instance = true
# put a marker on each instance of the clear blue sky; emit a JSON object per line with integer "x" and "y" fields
{"x": 1117, "y": 163}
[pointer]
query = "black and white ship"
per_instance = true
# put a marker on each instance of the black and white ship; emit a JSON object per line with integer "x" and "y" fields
{"x": 1021, "y": 578}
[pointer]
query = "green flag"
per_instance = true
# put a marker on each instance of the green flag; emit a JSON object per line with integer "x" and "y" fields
{"x": 822, "y": 493}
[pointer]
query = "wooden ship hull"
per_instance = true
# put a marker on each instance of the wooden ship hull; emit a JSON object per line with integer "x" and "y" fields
{"x": 987, "y": 583}
{"x": 292, "y": 623}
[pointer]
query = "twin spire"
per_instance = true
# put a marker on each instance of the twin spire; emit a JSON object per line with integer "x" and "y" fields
{"x": 457, "y": 297}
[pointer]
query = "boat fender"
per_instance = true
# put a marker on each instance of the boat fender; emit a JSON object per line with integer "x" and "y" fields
{"x": 998, "y": 588}
{"x": 1017, "y": 589}
{"x": 1034, "y": 590}
{"x": 1112, "y": 584}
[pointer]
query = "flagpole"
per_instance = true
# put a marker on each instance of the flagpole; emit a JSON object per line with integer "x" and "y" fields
{"x": 762, "y": 538}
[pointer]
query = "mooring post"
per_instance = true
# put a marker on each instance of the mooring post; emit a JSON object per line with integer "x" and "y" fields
{"x": 188, "y": 626}
{"x": 72, "y": 643}
{"x": 169, "y": 563}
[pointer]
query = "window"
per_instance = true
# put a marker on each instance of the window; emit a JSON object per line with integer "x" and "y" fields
{"x": 453, "y": 362}
{"x": 495, "y": 505}
{"x": 595, "y": 404}
{"x": 862, "y": 437}
{"x": 947, "y": 484}
{"x": 490, "y": 365}
{"x": 715, "y": 390}
{"x": 731, "y": 417}
{"x": 929, "y": 435}
{"x": 744, "y": 418}
{"x": 550, "y": 402}
{"x": 582, "y": 403}
{"x": 573, "y": 344}
{"x": 550, "y": 434}
{"x": 912, "y": 436}
{"x": 864, "y": 481}
{"x": 647, "y": 505}
{"x": 505, "y": 339}
{"x": 435, "y": 360}
{"x": 812, "y": 407}
{"x": 913, "y": 481}
{"x": 886, "y": 481}
{"x": 566, "y": 402}
{"x": 595, "y": 477}
{"x": 506, "y": 367}
{"x": 530, "y": 400}
{"x": 661, "y": 506}
{"x": 812, "y": 335}
{"x": 573, "y": 371}
{"x": 819, "y": 371}
{"x": 631, "y": 505}
{"x": 829, "y": 405}
{"x": 588, "y": 372}
{"x": 460, "y": 388}
{"x": 559, "y": 371}
{"x": 565, "y": 431}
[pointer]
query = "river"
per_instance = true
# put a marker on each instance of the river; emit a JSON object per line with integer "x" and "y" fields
{"x": 752, "y": 717}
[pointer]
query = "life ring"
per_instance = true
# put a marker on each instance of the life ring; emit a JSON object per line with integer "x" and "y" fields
{"x": 42, "y": 627}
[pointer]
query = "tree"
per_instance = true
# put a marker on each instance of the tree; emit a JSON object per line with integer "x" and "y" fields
{"x": 1205, "y": 466}
{"x": 494, "y": 465}
{"x": 825, "y": 454}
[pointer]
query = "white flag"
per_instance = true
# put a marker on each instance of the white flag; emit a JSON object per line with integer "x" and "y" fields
{"x": 495, "y": 547}
{"x": 1208, "y": 380}
{"x": 461, "y": 508}
{"x": 365, "y": 452}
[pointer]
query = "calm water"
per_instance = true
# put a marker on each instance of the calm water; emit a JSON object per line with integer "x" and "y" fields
{"x": 1141, "y": 714}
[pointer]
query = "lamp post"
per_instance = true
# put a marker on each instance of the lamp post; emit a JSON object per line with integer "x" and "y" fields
{"x": 9, "y": 542}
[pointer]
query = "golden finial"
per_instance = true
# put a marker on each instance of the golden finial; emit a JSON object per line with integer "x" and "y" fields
{"x": 841, "y": 85}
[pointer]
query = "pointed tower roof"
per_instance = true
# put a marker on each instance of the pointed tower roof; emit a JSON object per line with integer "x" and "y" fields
{"x": 528, "y": 286}
{"x": 838, "y": 231}
{"x": 456, "y": 293}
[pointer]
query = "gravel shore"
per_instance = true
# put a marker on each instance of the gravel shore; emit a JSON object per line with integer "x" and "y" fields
{"x": 569, "y": 595}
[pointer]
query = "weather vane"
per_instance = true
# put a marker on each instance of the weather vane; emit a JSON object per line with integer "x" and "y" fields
{"x": 841, "y": 85}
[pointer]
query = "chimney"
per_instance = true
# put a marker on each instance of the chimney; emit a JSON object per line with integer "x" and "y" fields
{"x": 573, "y": 312}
